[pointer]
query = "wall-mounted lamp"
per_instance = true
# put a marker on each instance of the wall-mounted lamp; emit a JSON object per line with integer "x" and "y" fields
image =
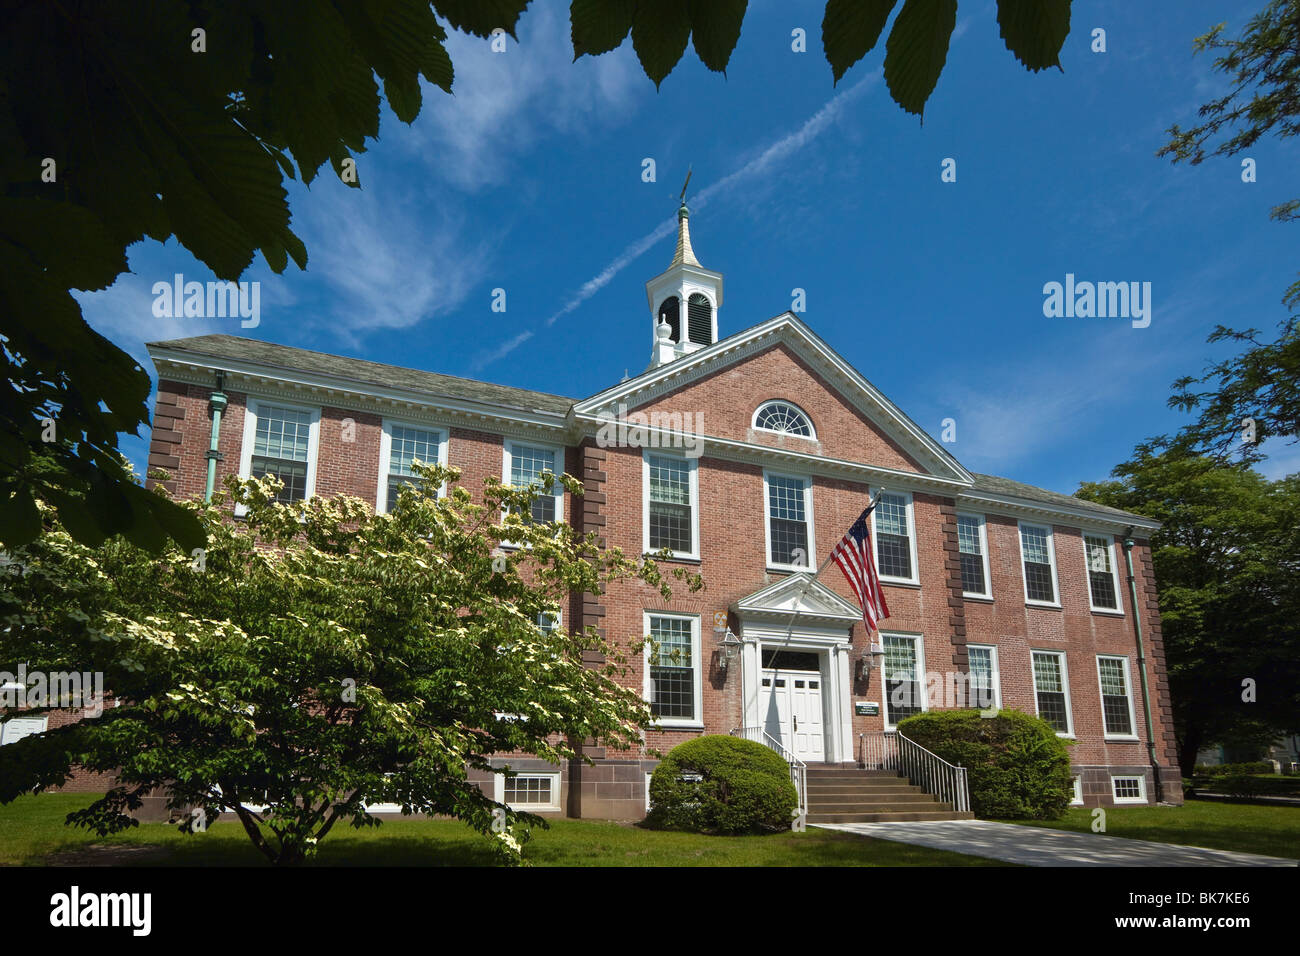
{"x": 872, "y": 655}
{"x": 728, "y": 645}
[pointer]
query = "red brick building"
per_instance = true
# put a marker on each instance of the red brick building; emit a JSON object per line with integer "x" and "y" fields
{"x": 1019, "y": 591}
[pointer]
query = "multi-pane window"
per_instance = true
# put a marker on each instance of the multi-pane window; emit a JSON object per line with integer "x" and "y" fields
{"x": 406, "y": 446}
{"x": 1036, "y": 553}
{"x": 527, "y": 465}
{"x": 281, "y": 444}
{"x": 528, "y": 790}
{"x": 893, "y": 537}
{"x": 787, "y": 514}
{"x": 983, "y": 676}
{"x": 1050, "y": 690}
{"x": 672, "y": 668}
{"x": 1128, "y": 789}
{"x": 670, "y": 519}
{"x": 970, "y": 546}
{"x": 902, "y": 678}
{"x": 1116, "y": 710}
{"x": 784, "y": 418}
{"x": 1101, "y": 572}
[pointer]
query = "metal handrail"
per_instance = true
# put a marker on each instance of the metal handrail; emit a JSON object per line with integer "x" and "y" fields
{"x": 895, "y": 751}
{"x": 798, "y": 769}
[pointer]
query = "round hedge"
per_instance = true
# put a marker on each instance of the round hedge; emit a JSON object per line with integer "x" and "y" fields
{"x": 742, "y": 787}
{"x": 1016, "y": 766}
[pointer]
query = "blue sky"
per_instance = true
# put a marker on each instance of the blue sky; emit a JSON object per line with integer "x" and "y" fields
{"x": 529, "y": 178}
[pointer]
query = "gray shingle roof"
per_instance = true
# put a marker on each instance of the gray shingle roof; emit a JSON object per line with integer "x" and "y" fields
{"x": 359, "y": 370}
{"x": 992, "y": 484}
{"x": 285, "y": 357}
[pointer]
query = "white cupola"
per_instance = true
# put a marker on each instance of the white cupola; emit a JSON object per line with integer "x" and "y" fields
{"x": 684, "y": 301}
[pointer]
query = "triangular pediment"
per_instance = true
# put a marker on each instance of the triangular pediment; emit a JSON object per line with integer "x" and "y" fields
{"x": 925, "y": 457}
{"x": 814, "y": 601}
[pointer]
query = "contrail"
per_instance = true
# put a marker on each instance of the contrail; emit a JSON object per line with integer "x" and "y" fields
{"x": 775, "y": 153}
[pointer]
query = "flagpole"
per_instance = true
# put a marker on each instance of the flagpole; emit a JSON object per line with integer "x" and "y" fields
{"x": 871, "y": 503}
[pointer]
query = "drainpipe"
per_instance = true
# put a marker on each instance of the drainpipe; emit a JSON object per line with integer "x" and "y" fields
{"x": 1141, "y": 661}
{"x": 217, "y": 403}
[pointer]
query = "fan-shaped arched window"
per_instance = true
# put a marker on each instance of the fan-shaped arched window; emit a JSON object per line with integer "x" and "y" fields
{"x": 670, "y": 311}
{"x": 699, "y": 312}
{"x": 783, "y": 417}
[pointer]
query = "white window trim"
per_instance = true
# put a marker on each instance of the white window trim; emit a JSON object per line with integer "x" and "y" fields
{"x": 697, "y": 723}
{"x": 1114, "y": 573}
{"x": 911, "y": 536}
{"x": 997, "y": 676}
{"x": 647, "y": 790}
{"x": 251, "y": 414}
{"x": 499, "y": 791}
{"x": 984, "y": 556}
{"x": 693, "y": 471}
{"x": 753, "y": 422}
{"x": 919, "y": 643}
{"x": 386, "y": 452}
{"x": 1051, "y": 560}
{"x": 557, "y": 489}
{"x": 1068, "y": 733}
{"x": 1128, "y": 692}
{"x": 1142, "y": 788}
{"x": 1076, "y": 787}
{"x": 808, "y": 516}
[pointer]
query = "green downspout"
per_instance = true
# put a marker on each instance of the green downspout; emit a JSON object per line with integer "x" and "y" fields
{"x": 1141, "y": 662}
{"x": 216, "y": 402}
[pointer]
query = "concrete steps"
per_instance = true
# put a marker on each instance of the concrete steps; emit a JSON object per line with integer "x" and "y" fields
{"x": 849, "y": 795}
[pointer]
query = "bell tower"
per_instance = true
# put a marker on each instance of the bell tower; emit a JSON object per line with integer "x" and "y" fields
{"x": 684, "y": 299}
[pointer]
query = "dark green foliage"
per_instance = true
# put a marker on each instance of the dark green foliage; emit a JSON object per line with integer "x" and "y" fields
{"x": 1229, "y": 769}
{"x": 1016, "y": 765}
{"x": 721, "y": 784}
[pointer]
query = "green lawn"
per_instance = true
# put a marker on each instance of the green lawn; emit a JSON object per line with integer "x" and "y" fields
{"x": 1270, "y": 830}
{"x": 32, "y": 833}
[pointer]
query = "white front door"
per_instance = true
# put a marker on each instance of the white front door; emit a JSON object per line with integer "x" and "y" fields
{"x": 791, "y": 703}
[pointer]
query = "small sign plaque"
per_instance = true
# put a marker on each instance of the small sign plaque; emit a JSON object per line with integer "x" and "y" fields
{"x": 866, "y": 708}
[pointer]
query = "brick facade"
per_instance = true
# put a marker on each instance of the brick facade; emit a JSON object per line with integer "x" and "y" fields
{"x": 733, "y": 558}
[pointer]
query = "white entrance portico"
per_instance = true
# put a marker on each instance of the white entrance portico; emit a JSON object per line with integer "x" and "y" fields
{"x": 796, "y": 682}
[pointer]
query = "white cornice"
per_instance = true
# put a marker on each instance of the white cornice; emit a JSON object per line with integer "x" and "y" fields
{"x": 990, "y": 503}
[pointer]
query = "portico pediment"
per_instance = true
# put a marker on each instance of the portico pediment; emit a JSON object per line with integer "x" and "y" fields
{"x": 817, "y": 604}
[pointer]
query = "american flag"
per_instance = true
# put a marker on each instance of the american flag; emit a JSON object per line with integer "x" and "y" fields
{"x": 857, "y": 560}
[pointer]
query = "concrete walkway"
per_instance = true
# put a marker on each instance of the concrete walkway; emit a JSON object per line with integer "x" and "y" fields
{"x": 1041, "y": 846}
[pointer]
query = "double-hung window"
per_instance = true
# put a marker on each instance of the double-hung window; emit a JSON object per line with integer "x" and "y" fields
{"x": 1052, "y": 690}
{"x": 972, "y": 547}
{"x": 525, "y": 465}
{"x": 1038, "y": 561}
{"x": 399, "y": 447}
{"x": 985, "y": 693}
{"x": 895, "y": 543}
{"x": 281, "y": 440}
{"x": 1103, "y": 585}
{"x": 904, "y": 686}
{"x": 789, "y": 520}
{"x": 1116, "y": 695}
{"x": 671, "y": 508}
{"x": 673, "y": 684}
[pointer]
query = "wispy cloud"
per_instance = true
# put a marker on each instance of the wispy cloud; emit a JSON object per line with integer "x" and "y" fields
{"x": 761, "y": 163}
{"x": 504, "y": 102}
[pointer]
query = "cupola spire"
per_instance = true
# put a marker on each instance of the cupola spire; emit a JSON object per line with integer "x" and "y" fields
{"x": 684, "y": 299}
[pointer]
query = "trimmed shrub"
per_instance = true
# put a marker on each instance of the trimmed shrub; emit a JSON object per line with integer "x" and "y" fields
{"x": 1015, "y": 764}
{"x": 1237, "y": 785}
{"x": 722, "y": 784}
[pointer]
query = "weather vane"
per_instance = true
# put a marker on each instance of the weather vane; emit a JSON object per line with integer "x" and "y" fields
{"x": 682, "y": 198}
